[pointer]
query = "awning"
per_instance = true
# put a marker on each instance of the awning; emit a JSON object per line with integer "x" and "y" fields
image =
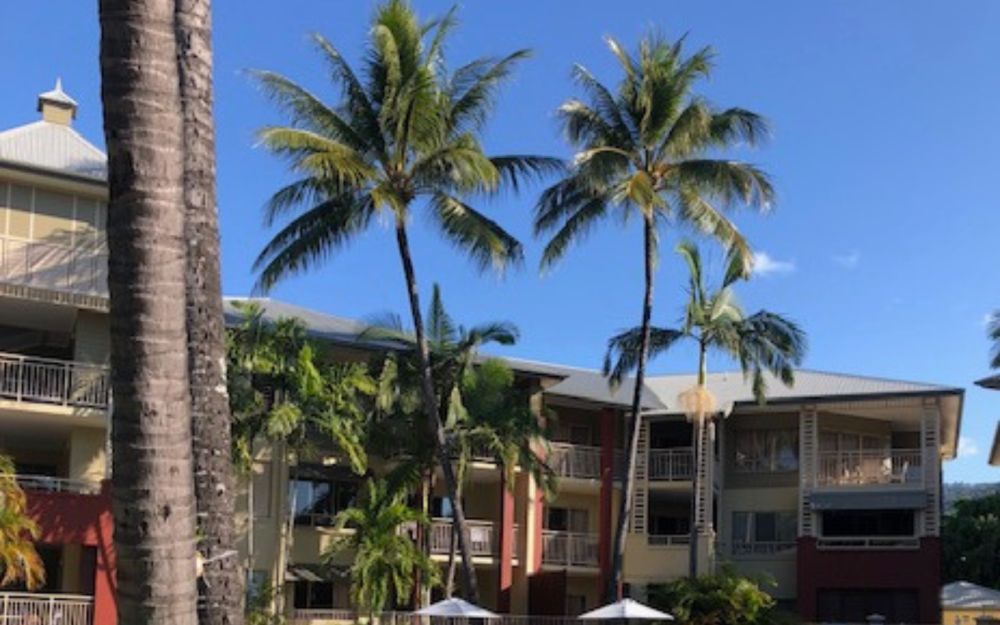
{"x": 869, "y": 500}
{"x": 314, "y": 573}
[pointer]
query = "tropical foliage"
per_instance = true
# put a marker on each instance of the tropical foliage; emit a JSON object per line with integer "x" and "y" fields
{"x": 405, "y": 129}
{"x": 645, "y": 150}
{"x": 971, "y": 542}
{"x": 725, "y": 598}
{"x": 19, "y": 562}
{"x": 385, "y": 559}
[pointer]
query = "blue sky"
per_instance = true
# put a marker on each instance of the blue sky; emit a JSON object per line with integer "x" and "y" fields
{"x": 884, "y": 156}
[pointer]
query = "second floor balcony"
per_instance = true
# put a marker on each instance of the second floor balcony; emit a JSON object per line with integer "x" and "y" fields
{"x": 55, "y": 382}
{"x": 870, "y": 467}
{"x": 484, "y": 537}
{"x": 575, "y": 461}
{"x": 568, "y": 549}
{"x": 674, "y": 464}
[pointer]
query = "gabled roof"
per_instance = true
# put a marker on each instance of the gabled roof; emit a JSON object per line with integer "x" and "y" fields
{"x": 966, "y": 595}
{"x": 55, "y": 148}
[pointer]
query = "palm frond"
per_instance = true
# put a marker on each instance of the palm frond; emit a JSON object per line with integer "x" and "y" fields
{"x": 516, "y": 169}
{"x": 316, "y": 155}
{"x": 773, "y": 343}
{"x": 693, "y": 209}
{"x": 623, "y": 350}
{"x": 581, "y": 220}
{"x": 484, "y": 240}
{"x": 730, "y": 182}
{"x": 479, "y": 81}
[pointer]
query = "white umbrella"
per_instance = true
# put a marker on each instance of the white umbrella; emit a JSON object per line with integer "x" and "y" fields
{"x": 456, "y": 607}
{"x": 625, "y": 609}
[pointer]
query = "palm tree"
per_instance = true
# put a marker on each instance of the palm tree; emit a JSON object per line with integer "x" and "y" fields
{"x": 993, "y": 330}
{"x": 763, "y": 341}
{"x": 407, "y": 131}
{"x": 152, "y": 478}
{"x": 645, "y": 151}
{"x": 221, "y": 596}
{"x": 384, "y": 559}
{"x": 19, "y": 562}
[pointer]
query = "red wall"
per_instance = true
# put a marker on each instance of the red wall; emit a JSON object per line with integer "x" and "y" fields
{"x": 918, "y": 569}
{"x": 74, "y": 519}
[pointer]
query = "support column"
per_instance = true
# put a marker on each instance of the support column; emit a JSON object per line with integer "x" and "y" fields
{"x": 605, "y": 529}
{"x": 505, "y": 575}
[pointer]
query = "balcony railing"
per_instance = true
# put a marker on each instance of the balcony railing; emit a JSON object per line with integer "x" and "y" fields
{"x": 71, "y": 268}
{"x": 484, "y": 540}
{"x": 575, "y": 461}
{"x": 868, "y": 542}
{"x": 53, "y": 381}
{"x": 668, "y": 540}
{"x": 671, "y": 464}
{"x": 46, "y": 484}
{"x": 569, "y": 548}
{"x": 859, "y": 468}
{"x": 761, "y": 548}
{"x": 21, "y": 607}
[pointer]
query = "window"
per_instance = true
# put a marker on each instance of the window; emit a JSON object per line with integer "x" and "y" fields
{"x": 318, "y": 501}
{"x": 842, "y": 523}
{"x": 763, "y": 532}
{"x": 766, "y": 451}
{"x": 567, "y": 520}
{"x": 851, "y": 441}
{"x": 576, "y": 604}
{"x": 441, "y": 508}
{"x": 314, "y": 595}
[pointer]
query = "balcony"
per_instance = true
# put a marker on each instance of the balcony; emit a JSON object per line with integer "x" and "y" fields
{"x": 674, "y": 464}
{"x": 46, "y": 484}
{"x": 870, "y": 467}
{"x": 751, "y": 549}
{"x": 668, "y": 540}
{"x": 868, "y": 542}
{"x": 575, "y": 461}
{"x": 483, "y": 535}
{"x": 55, "y": 382}
{"x": 18, "y": 607}
{"x": 569, "y": 548}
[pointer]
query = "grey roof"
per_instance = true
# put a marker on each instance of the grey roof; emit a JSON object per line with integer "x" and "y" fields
{"x": 53, "y": 147}
{"x": 318, "y": 324}
{"x": 965, "y": 595}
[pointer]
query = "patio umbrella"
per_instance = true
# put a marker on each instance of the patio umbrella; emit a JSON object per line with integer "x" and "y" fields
{"x": 625, "y": 609}
{"x": 455, "y": 608}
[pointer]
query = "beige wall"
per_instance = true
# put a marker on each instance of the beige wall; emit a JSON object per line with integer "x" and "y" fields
{"x": 40, "y": 213}
{"x": 87, "y": 457}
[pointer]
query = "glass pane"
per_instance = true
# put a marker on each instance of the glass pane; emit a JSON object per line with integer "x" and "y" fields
{"x": 765, "y": 527}
{"x": 741, "y": 527}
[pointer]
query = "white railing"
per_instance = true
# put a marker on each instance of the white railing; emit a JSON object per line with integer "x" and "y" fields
{"x": 53, "y": 381}
{"x": 668, "y": 540}
{"x": 324, "y": 614}
{"x": 482, "y": 534}
{"x": 868, "y": 542}
{"x": 671, "y": 464}
{"x": 761, "y": 548}
{"x": 858, "y": 468}
{"x": 46, "y": 484}
{"x": 575, "y": 461}
{"x": 17, "y": 608}
{"x": 72, "y": 268}
{"x": 569, "y": 548}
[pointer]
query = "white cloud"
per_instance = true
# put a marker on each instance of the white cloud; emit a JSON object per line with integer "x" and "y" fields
{"x": 987, "y": 319}
{"x": 765, "y": 265}
{"x": 967, "y": 446}
{"x": 849, "y": 260}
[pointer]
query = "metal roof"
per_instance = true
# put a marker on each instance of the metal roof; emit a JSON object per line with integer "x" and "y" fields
{"x": 53, "y": 147}
{"x": 56, "y": 95}
{"x": 966, "y": 595}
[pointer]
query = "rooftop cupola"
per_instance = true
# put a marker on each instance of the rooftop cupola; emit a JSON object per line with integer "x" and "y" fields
{"x": 56, "y": 107}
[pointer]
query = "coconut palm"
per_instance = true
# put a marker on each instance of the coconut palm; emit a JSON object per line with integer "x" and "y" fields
{"x": 404, "y": 133}
{"x": 646, "y": 151}
{"x": 384, "y": 558}
{"x": 763, "y": 341}
{"x": 152, "y": 481}
{"x": 19, "y": 562}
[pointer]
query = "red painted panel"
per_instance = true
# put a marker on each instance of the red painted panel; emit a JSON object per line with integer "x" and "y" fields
{"x": 916, "y": 569}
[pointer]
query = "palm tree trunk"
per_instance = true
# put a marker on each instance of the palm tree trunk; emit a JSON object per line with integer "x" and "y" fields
{"x": 628, "y": 480}
{"x": 696, "y": 451}
{"x": 433, "y": 423}
{"x": 152, "y": 482}
{"x": 449, "y": 587}
{"x": 221, "y": 594}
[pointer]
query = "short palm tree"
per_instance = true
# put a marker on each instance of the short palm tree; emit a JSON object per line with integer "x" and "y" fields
{"x": 384, "y": 559}
{"x": 404, "y": 134}
{"x": 646, "y": 151}
{"x": 763, "y": 341}
{"x": 19, "y": 562}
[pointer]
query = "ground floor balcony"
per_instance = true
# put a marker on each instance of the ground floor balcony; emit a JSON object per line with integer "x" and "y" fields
{"x": 22, "y": 608}
{"x": 47, "y": 484}
{"x": 570, "y": 549}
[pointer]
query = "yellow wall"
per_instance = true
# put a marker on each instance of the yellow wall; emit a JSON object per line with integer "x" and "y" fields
{"x": 967, "y": 617}
{"x": 87, "y": 459}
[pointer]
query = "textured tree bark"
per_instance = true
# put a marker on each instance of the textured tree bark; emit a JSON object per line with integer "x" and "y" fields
{"x": 220, "y": 591}
{"x": 433, "y": 422}
{"x": 635, "y": 424}
{"x": 152, "y": 483}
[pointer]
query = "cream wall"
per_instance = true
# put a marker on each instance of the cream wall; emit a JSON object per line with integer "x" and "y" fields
{"x": 87, "y": 454}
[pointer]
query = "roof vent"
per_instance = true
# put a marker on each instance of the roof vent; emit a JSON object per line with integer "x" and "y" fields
{"x": 56, "y": 107}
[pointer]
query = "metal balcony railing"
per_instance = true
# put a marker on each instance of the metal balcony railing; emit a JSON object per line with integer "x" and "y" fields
{"x": 46, "y": 484}
{"x": 54, "y": 381}
{"x": 759, "y": 548}
{"x": 569, "y": 548}
{"x": 868, "y": 542}
{"x": 24, "y": 607}
{"x": 668, "y": 540}
{"x": 575, "y": 461}
{"x": 672, "y": 464}
{"x": 483, "y": 535}
{"x": 859, "y": 468}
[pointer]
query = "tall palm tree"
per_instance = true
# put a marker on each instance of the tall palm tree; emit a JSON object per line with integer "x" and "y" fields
{"x": 221, "y": 596}
{"x": 152, "y": 479}
{"x": 646, "y": 151}
{"x": 384, "y": 559}
{"x": 763, "y": 341}
{"x": 407, "y": 131}
{"x": 19, "y": 562}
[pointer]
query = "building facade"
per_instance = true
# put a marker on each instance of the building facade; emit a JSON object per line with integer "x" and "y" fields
{"x": 832, "y": 488}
